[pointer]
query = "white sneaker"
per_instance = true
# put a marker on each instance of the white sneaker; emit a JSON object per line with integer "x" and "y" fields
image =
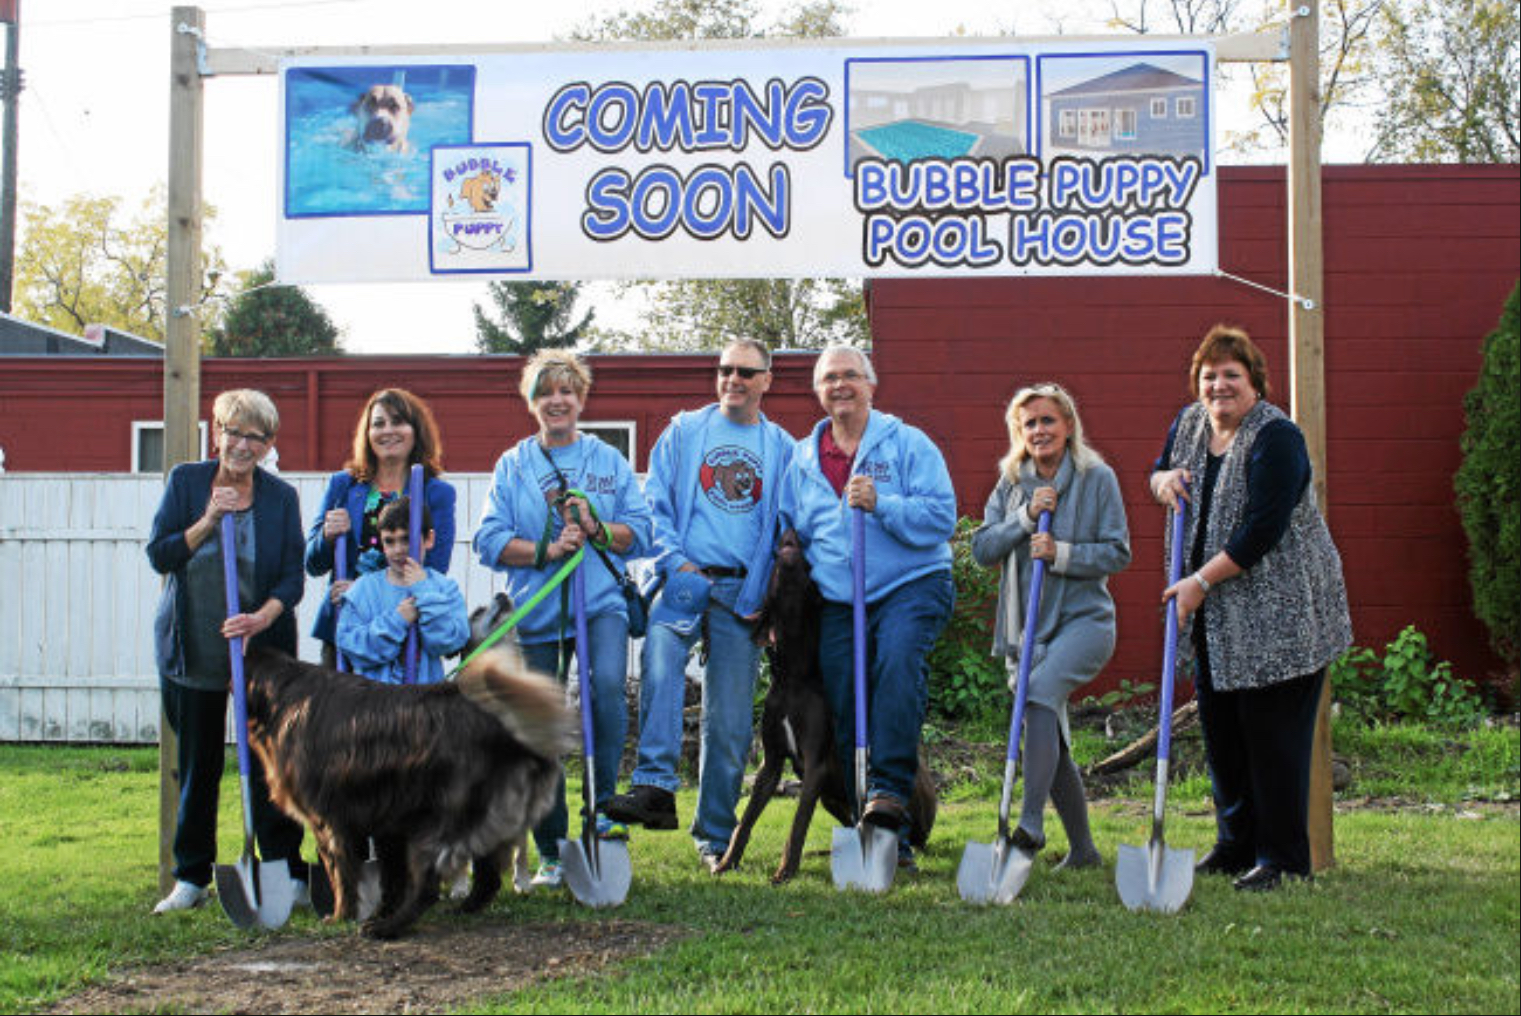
{"x": 549, "y": 876}
{"x": 184, "y": 896}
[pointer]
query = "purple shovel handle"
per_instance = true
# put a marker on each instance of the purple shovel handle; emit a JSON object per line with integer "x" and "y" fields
{"x": 414, "y": 548}
{"x": 1027, "y": 645}
{"x": 1170, "y": 649}
{"x": 235, "y": 645}
{"x": 858, "y": 633}
{"x": 340, "y": 574}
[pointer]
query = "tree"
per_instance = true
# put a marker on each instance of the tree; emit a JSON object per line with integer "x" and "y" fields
{"x": 533, "y": 316}
{"x": 1346, "y": 41}
{"x": 270, "y": 319}
{"x": 81, "y": 264}
{"x": 1488, "y": 484}
{"x": 1451, "y": 72}
{"x": 691, "y": 314}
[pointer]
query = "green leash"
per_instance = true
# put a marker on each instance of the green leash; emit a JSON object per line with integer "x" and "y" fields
{"x": 517, "y": 615}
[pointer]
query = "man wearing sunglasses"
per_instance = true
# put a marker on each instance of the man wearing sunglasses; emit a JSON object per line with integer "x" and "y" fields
{"x": 712, "y": 490}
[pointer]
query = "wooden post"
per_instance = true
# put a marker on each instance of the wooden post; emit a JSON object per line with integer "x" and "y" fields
{"x": 182, "y": 339}
{"x": 1307, "y": 332}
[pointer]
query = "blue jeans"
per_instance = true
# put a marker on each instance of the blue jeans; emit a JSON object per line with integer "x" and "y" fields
{"x": 901, "y": 629}
{"x": 728, "y": 707}
{"x": 609, "y": 672}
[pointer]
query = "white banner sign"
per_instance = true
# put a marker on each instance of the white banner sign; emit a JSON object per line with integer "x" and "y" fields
{"x": 940, "y": 158}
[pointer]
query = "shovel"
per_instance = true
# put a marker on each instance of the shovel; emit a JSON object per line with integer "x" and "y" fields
{"x": 996, "y": 872}
{"x": 254, "y": 893}
{"x": 597, "y": 871}
{"x": 340, "y": 574}
{"x": 1156, "y": 876}
{"x": 866, "y": 856}
{"x": 414, "y": 549}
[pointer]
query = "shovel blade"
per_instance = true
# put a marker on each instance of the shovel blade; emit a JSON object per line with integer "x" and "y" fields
{"x": 990, "y": 875}
{"x": 1155, "y": 877}
{"x": 369, "y": 890}
{"x": 604, "y": 884}
{"x": 864, "y": 857}
{"x": 255, "y": 894}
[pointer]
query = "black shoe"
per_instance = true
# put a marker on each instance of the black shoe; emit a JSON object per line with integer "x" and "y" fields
{"x": 1220, "y": 861}
{"x": 1261, "y": 879}
{"x": 644, "y": 805}
{"x": 1024, "y": 840}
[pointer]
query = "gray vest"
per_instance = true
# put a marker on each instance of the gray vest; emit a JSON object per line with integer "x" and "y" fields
{"x": 1286, "y": 616}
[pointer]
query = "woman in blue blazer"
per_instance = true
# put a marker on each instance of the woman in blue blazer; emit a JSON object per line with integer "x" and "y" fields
{"x": 192, "y": 626}
{"x": 395, "y": 431}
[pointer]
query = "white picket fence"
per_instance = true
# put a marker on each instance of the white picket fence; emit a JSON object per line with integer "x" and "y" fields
{"x": 77, "y": 600}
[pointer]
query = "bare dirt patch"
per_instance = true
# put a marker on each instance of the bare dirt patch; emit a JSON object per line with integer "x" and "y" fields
{"x": 438, "y": 967}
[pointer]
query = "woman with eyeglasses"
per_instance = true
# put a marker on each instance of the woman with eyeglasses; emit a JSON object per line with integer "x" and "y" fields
{"x": 192, "y": 629}
{"x": 860, "y": 458}
{"x": 1050, "y": 468}
{"x": 552, "y": 494}
{"x": 395, "y": 431}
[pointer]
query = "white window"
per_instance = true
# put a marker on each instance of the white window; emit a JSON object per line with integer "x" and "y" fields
{"x": 1124, "y": 124}
{"x": 148, "y": 445}
{"x": 618, "y": 433}
{"x": 1159, "y": 109}
{"x": 1068, "y": 127}
{"x": 1186, "y": 108}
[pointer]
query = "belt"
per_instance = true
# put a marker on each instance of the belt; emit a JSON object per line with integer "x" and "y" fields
{"x": 724, "y": 573}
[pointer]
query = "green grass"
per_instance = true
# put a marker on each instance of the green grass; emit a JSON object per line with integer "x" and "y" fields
{"x": 1420, "y": 914}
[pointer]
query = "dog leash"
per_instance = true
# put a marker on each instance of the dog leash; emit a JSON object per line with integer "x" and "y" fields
{"x": 517, "y": 615}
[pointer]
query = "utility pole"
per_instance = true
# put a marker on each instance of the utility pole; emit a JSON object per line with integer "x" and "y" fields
{"x": 10, "y": 93}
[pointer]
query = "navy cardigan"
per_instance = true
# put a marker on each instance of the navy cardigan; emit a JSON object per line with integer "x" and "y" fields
{"x": 277, "y": 556}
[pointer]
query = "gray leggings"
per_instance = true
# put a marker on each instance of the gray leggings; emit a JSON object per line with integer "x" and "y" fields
{"x": 1050, "y": 772}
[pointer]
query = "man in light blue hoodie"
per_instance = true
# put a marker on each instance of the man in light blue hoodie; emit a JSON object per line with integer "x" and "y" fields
{"x": 858, "y": 457}
{"x": 713, "y": 493}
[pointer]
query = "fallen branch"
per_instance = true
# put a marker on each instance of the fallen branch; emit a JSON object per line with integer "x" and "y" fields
{"x": 1144, "y": 747}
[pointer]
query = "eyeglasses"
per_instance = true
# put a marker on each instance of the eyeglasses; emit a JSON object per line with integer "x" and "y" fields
{"x": 253, "y": 437}
{"x": 849, "y": 377}
{"x": 726, "y": 369}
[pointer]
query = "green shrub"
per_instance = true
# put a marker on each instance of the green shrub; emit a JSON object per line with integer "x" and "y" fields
{"x": 1408, "y": 683}
{"x": 966, "y": 681}
{"x": 1488, "y": 484}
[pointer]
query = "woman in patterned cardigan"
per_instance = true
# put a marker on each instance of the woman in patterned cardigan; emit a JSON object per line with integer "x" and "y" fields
{"x": 1263, "y": 612}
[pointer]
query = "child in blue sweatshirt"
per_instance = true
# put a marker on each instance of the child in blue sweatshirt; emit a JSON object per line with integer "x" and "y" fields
{"x": 380, "y": 607}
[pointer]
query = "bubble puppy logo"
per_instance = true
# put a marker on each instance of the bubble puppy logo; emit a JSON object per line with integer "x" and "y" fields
{"x": 731, "y": 479}
{"x": 481, "y": 208}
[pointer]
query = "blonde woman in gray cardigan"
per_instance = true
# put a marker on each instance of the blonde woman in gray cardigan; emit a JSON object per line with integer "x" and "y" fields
{"x": 1050, "y": 468}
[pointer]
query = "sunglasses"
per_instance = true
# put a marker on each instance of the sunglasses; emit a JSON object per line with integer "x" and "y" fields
{"x": 726, "y": 369}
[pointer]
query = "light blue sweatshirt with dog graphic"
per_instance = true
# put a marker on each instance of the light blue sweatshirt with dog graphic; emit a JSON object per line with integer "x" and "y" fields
{"x": 907, "y": 535}
{"x": 677, "y": 470}
{"x": 374, "y": 636}
{"x": 521, "y": 488}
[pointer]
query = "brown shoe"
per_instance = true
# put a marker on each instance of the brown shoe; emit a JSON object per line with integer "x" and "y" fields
{"x": 886, "y": 812}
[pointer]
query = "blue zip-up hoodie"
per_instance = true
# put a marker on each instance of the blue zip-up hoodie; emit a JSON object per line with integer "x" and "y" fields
{"x": 374, "y": 636}
{"x": 907, "y": 536}
{"x": 516, "y": 509}
{"x": 672, "y": 489}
